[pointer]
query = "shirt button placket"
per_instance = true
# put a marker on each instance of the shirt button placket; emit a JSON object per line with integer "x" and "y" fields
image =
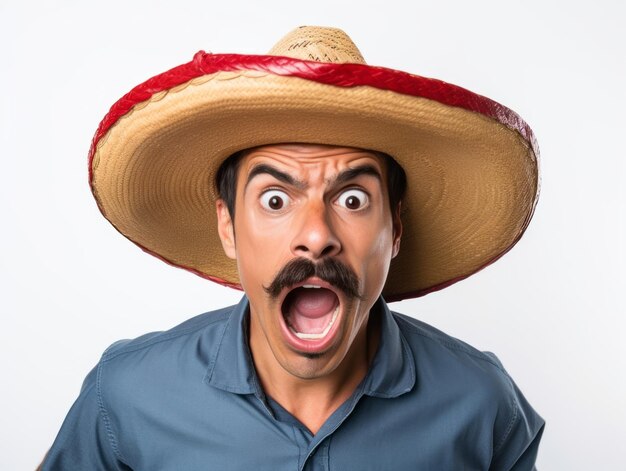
{"x": 318, "y": 459}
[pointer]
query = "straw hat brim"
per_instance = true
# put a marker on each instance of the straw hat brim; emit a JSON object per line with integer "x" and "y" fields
{"x": 471, "y": 163}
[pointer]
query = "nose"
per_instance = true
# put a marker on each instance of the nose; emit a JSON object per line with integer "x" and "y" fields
{"x": 314, "y": 236}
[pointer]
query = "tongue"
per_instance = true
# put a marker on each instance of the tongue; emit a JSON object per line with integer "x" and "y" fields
{"x": 311, "y": 309}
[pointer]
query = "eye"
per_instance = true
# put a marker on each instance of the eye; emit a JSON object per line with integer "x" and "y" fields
{"x": 353, "y": 199}
{"x": 274, "y": 200}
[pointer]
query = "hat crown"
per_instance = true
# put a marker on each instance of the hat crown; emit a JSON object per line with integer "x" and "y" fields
{"x": 320, "y": 44}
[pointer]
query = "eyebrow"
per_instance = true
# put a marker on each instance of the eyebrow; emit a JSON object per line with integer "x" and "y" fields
{"x": 277, "y": 174}
{"x": 354, "y": 172}
{"x": 342, "y": 177}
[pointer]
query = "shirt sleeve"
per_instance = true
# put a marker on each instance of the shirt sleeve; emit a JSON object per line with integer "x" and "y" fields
{"x": 517, "y": 435}
{"x": 84, "y": 441}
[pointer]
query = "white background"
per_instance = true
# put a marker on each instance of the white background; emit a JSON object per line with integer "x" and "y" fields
{"x": 552, "y": 309}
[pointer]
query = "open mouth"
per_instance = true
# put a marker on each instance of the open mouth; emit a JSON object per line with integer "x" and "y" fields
{"x": 310, "y": 311}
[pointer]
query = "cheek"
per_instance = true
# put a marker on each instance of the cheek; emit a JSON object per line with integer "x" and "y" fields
{"x": 259, "y": 246}
{"x": 371, "y": 246}
{"x": 380, "y": 259}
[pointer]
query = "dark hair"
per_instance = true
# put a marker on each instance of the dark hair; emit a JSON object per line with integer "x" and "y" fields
{"x": 226, "y": 180}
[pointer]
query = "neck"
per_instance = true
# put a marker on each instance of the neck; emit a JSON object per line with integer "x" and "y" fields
{"x": 314, "y": 398}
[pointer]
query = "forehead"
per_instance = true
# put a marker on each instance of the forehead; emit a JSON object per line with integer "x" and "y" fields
{"x": 309, "y": 160}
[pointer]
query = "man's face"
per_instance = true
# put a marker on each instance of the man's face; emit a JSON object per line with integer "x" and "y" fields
{"x": 307, "y": 206}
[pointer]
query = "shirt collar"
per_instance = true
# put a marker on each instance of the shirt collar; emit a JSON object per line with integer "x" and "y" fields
{"x": 391, "y": 374}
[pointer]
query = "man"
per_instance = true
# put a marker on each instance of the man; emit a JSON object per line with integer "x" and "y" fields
{"x": 318, "y": 167}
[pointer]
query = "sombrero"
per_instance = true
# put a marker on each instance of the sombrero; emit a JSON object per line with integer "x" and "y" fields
{"x": 471, "y": 163}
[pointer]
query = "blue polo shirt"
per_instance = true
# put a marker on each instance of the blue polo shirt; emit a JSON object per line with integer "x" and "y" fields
{"x": 189, "y": 399}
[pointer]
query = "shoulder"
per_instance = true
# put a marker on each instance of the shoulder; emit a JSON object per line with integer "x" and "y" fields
{"x": 441, "y": 346}
{"x": 153, "y": 343}
{"x": 444, "y": 363}
{"x": 141, "y": 369}
{"x": 136, "y": 380}
{"x": 452, "y": 371}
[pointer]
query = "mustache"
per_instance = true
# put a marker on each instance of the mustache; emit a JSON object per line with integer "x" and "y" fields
{"x": 330, "y": 270}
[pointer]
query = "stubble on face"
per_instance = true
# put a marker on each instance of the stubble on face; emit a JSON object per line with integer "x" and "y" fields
{"x": 268, "y": 242}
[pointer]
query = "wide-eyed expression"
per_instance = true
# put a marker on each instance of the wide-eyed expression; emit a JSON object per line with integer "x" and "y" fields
{"x": 302, "y": 207}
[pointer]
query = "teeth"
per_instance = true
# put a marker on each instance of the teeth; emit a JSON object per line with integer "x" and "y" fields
{"x": 321, "y": 335}
{"x": 311, "y": 286}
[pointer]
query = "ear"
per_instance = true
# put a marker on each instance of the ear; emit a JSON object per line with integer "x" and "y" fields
{"x": 225, "y": 229}
{"x": 397, "y": 231}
